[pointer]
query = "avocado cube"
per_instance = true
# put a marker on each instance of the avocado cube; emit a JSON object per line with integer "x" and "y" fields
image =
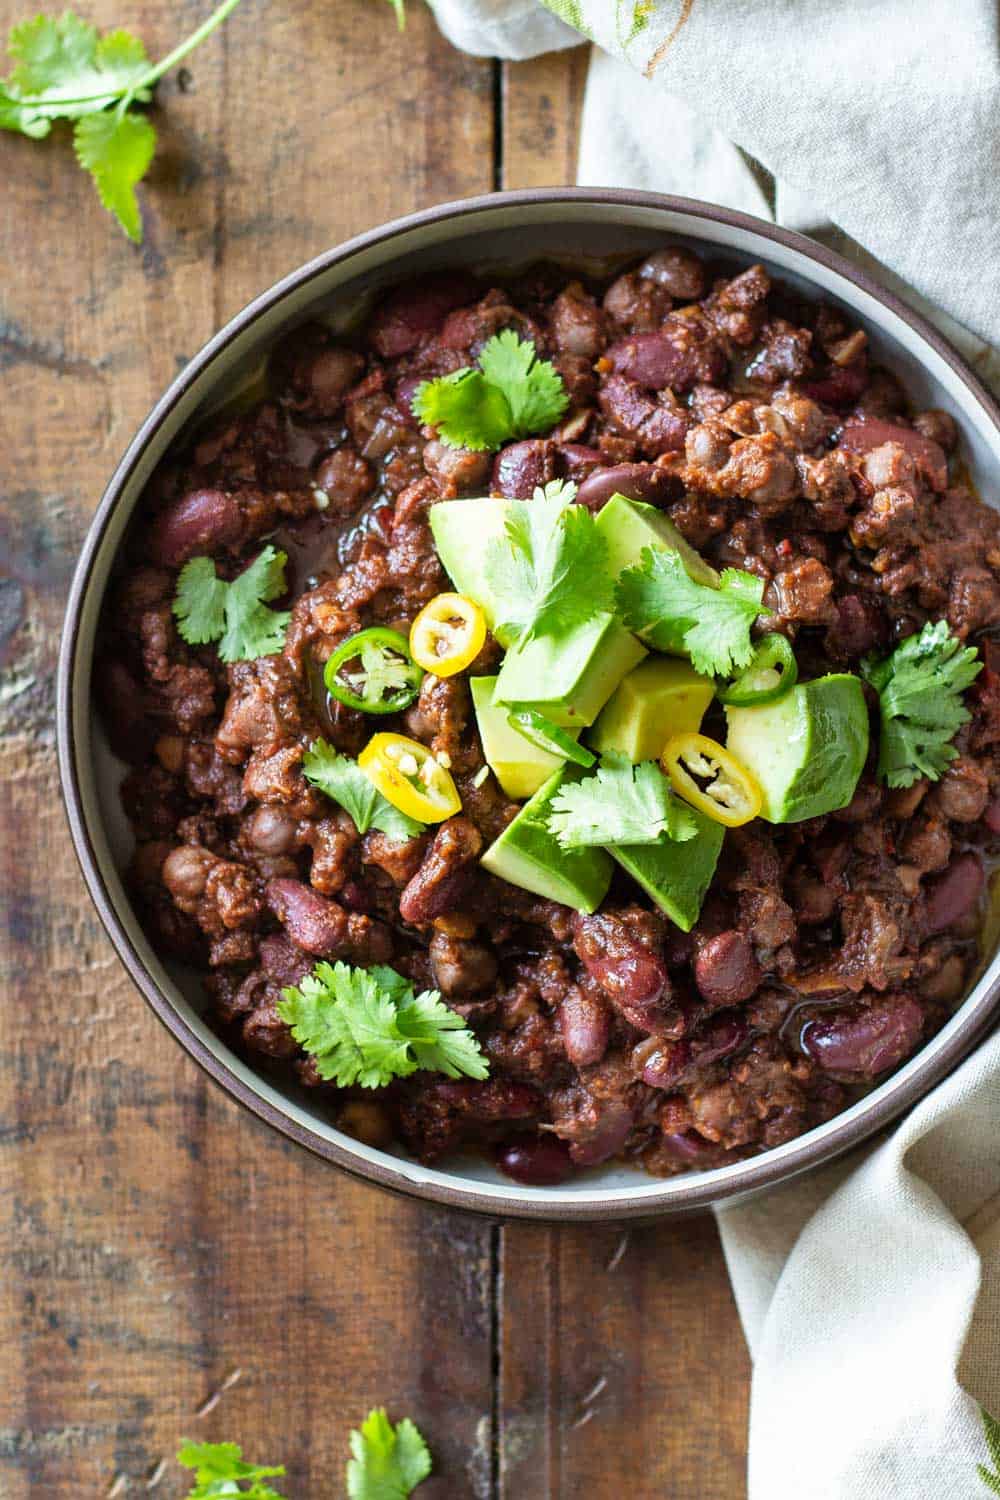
{"x": 518, "y": 765}
{"x": 527, "y": 855}
{"x": 676, "y": 876}
{"x": 569, "y": 677}
{"x": 628, "y": 526}
{"x": 807, "y": 750}
{"x": 462, "y": 531}
{"x": 660, "y": 697}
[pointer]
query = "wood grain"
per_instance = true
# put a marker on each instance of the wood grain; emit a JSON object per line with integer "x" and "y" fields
{"x": 167, "y": 1265}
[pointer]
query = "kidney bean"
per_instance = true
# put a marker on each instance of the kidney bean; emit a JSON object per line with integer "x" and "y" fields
{"x": 991, "y": 816}
{"x": 520, "y": 467}
{"x": 444, "y": 874}
{"x": 412, "y": 311}
{"x": 579, "y": 459}
{"x": 665, "y": 1066}
{"x": 585, "y": 1026}
{"x": 866, "y": 1040}
{"x": 646, "y": 482}
{"x": 841, "y": 386}
{"x": 355, "y": 897}
{"x": 687, "y": 1145}
{"x": 725, "y": 968}
{"x": 679, "y": 271}
{"x": 314, "y": 923}
{"x": 657, "y": 428}
{"x": 955, "y": 894}
{"x": 672, "y": 358}
{"x": 405, "y": 391}
{"x": 535, "y": 1160}
{"x": 608, "y": 1137}
{"x": 863, "y": 434}
{"x": 633, "y": 977}
{"x": 199, "y": 521}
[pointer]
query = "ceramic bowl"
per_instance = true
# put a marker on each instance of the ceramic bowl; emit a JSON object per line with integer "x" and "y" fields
{"x": 499, "y": 230}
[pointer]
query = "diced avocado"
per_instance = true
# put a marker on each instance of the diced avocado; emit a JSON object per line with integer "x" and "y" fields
{"x": 658, "y": 698}
{"x": 462, "y": 530}
{"x": 570, "y": 677}
{"x": 628, "y": 526}
{"x": 527, "y": 855}
{"x": 676, "y": 876}
{"x": 519, "y": 766}
{"x": 807, "y": 750}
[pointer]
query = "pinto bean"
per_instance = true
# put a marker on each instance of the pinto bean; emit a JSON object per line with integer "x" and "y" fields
{"x": 939, "y": 426}
{"x": 345, "y": 479}
{"x": 186, "y": 871}
{"x": 535, "y": 1160}
{"x": 520, "y": 467}
{"x": 955, "y": 894}
{"x": 644, "y": 482}
{"x": 865, "y": 1040}
{"x": 328, "y": 377}
{"x": 633, "y": 977}
{"x": 417, "y": 309}
{"x": 461, "y": 967}
{"x": 678, "y": 270}
{"x": 444, "y": 874}
{"x": 577, "y": 323}
{"x": 725, "y": 969}
{"x": 200, "y": 521}
{"x": 272, "y": 831}
{"x": 963, "y": 791}
{"x": 585, "y": 1025}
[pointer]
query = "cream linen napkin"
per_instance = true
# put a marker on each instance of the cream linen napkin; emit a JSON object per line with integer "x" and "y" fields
{"x": 869, "y": 1291}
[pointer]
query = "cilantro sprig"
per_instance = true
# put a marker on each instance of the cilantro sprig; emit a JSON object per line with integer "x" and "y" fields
{"x": 221, "y": 1470}
{"x": 234, "y": 614}
{"x": 387, "y": 1462}
{"x": 920, "y": 686}
{"x": 671, "y": 612}
{"x": 342, "y": 779}
{"x": 620, "y": 804}
{"x": 548, "y": 571}
{"x": 65, "y": 70}
{"x": 369, "y": 1026}
{"x": 511, "y": 394}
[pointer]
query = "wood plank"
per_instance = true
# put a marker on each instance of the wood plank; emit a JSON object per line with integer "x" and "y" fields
{"x": 542, "y": 99}
{"x": 155, "y": 1241}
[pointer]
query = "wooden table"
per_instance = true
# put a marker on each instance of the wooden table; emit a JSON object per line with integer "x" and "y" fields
{"x": 169, "y": 1265}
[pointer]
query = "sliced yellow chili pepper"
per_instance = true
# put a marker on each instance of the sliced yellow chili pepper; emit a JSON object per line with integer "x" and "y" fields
{"x": 410, "y": 777}
{"x": 705, "y": 774}
{"x": 447, "y": 635}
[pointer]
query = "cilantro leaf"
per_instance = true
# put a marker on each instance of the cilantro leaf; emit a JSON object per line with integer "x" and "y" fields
{"x": 65, "y": 70}
{"x": 620, "y": 804}
{"x": 513, "y": 393}
{"x": 234, "y": 614}
{"x": 387, "y": 1462}
{"x": 220, "y": 1470}
{"x": 920, "y": 687}
{"x": 547, "y": 572}
{"x": 467, "y": 411}
{"x": 343, "y": 780}
{"x": 368, "y": 1026}
{"x": 533, "y": 387}
{"x": 116, "y": 150}
{"x": 662, "y": 604}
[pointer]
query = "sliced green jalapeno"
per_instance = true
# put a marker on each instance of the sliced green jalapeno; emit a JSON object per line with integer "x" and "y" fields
{"x": 771, "y": 673}
{"x": 544, "y": 735}
{"x": 374, "y": 672}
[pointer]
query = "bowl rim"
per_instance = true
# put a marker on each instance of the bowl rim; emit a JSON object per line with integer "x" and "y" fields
{"x": 684, "y": 1193}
